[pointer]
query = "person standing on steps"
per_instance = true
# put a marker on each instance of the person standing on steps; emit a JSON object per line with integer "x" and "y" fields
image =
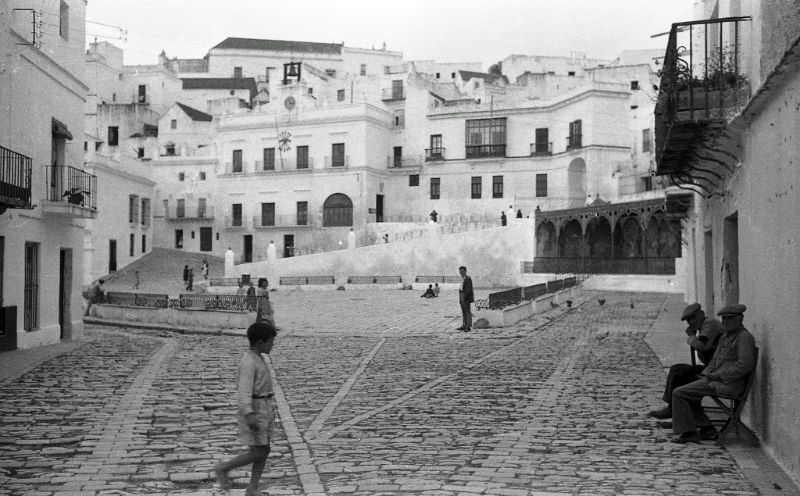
{"x": 465, "y": 299}
{"x": 185, "y": 276}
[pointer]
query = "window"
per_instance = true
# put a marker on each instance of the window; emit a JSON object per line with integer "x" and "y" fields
{"x": 570, "y": 73}
{"x": 269, "y": 159}
{"x": 541, "y": 185}
{"x": 337, "y": 211}
{"x": 634, "y": 85}
{"x": 476, "y": 187}
{"x": 302, "y": 213}
{"x": 452, "y": 75}
{"x": 63, "y": 20}
{"x": 202, "y": 175}
{"x": 436, "y": 151}
{"x": 144, "y": 243}
{"x": 397, "y": 89}
{"x": 647, "y": 183}
{"x": 181, "y": 212}
{"x": 486, "y": 137}
{"x": 179, "y": 239}
{"x": 497, "y": 186}
{"x": 140, "y": 152}
{"x": 438, "y": 75}
{"x": 173, "y": 124}
{"x": 142, "y": 94}
{"x": 542, "y": 144}
{"x": 574, "y": 140}
{"x": 267, "y": 214}
{"x": 145, "y": 211}
{"x": 413, "y": 180}
{"x": 363, "y": 69}
{"x": 237, "y": 161}
{"x": 340, "y": 95}
{"x": 166, "y": 208}
{"x": 302, "y": 157}
{"x": 31, "y": 291}
{"x": 113, "y": 136}
{"x": 202, "y": 206}
{"x": 236, "y": 210}
{"x": 133, "y": 209}
{"x": 337, "y": 155}
{"x": 435, "y": 186}
{"x": 132, "y": 245}
{"x": 237, "y": 72}
{"x": 397, "y": 159}
{"x": 181, "y": 176}
{"x": 169, "y": 150}
{"x": 647, "y": 141}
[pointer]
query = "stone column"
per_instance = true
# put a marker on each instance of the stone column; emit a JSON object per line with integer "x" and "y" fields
{"x": 229, "y": 263}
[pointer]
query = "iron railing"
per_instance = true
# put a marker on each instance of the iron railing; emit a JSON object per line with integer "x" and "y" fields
{"x": 574, "y": 141}
{"x": 235, "y": 303}
{"x": 190, "y": 213}
{"x": 703, "y": 77}
{"x": 480, "y": 151}
{"x": 302, "y": 280}
{"x": 439, "y": 279}
{"x": 393, "y": 162}
{"x": 374, "y": 280}
{"x": 15, "y": 179}
{"x": 434, "y": 154}
{"x": 68, "y": 184}
{"x": 233, "y": 222}
{"x": 337, "y": 161}
{"x": 148, "y": 300}
{"x": 286, "y": 220}
{"x": 586, "y": 265}
{"x": 513, "y": 296}
{"x": 542, "y": 148}
{"x": 388, "y": 94}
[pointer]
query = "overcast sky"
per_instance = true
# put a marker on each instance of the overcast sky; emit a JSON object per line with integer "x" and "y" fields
{"x": 444, "y": 30}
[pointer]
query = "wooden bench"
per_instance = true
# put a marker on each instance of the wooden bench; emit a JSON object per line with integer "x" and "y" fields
{"x": 730, "y": 408}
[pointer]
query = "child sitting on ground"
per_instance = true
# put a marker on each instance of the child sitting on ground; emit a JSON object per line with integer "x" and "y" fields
{"x": 256, "y": 414}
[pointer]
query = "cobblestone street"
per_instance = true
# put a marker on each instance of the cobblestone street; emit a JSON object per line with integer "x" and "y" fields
{"x": 378, "y": 394}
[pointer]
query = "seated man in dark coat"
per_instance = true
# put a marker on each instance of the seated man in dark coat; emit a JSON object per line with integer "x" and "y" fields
{"x": 702, "y": 336}
{"x": 726, "y": 374}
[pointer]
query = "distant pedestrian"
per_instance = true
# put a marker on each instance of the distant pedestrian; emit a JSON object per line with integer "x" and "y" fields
{"x": 256, "y": 409}
{"x": 137, "y": 280}
{"x": 538, "y": 209}
{"x": 510, "y": 212}
{"x": 434, "y": 215}
{"x": 386, "y": 238}
{"x": 205, "y": 269}
{"x": 519, "y": 213}
{"x": 94, "y": 295}
{"x": 251, "y": 298}
{"x": 503, "y": 218}
{"x": 264, "y": 311}
{"x": 428, "y": 292}
{"x": 185, "y": 275}
{"x": 436, "y": 289}
{"x": 190, "y": 280}
{"x": 465, "y": 299}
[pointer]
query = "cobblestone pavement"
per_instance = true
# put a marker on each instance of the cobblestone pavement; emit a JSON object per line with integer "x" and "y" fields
{"x": 378, "y": 394}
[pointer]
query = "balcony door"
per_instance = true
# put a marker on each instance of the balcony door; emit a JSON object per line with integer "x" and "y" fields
{"x": 205, "y": 239}
{"x": 65, "y": 293}
{"x": 248, "y": 248}
{"x": 112, "y": 255}
{"x": 378, "y": 208}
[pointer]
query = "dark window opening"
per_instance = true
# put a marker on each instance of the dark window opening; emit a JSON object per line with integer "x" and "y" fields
{"x": 337, "y": 155}
{"x": 435, "y": 188}
{"x": 267, "y": 214}
{"x": 113, "y": 136}
{"x": 237, "y": 161}
{"x": 541, "y": 185}
{"x": 497, "y": 186}
{"x": 476, "y": 184}
{"x": 269, "y": 159}
{"x": 302, "y": 213}
{"x": 413, "y": 180}
{"x": 302, "y": 157}
{"x": 486, "y": 137}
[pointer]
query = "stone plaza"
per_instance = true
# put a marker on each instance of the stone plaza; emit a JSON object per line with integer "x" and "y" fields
{"x": 377, "y": 394}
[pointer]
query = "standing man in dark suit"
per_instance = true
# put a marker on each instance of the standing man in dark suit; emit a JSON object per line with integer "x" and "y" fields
{"x": 465, "y": 299}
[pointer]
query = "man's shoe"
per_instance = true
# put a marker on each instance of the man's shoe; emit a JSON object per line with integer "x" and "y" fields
{"x": 687, "y": 437}
{"x": 460, "y": 328}
{"x": 665, "y": 425}
{"x": 663, "y": 413}
{"x": 709, "y": 433}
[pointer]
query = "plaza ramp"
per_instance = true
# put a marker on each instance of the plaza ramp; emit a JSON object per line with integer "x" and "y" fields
{"x": 492, "y": 255}
{"x": 161, "y": 271}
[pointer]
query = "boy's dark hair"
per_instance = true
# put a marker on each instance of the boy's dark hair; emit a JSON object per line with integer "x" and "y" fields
{"x": 462, "y": 268}
{"x": 261, "y": 331}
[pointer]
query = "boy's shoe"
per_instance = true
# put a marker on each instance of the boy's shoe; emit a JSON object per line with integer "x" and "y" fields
{"x": 663, "y": 413}
{"x": 460, "y": 328}
{"x": 709, "y": 433}
{"x": 687, "y": 437}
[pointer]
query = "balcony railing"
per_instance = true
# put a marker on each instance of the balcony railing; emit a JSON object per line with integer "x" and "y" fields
{"x": 586, "y": 265}
{"x": 229, "y": 168}
{"x": 481, "y": 151}
{"x": 191, "y": 213}
{"x": 233, "y": 222}
{"x": 280, "y": 221}
{"x": 15, "y": 180}
{"x": 574, "y": 141}
{"x": 337, "y": 161}
{"x": 434, "y": 154}
{"x": 388, "y": 94}
{"x": 702, "y": 82}
{"x": 542, "y": 148}
{"x": 66, "y": 184}
{"x": 393, "y": 162}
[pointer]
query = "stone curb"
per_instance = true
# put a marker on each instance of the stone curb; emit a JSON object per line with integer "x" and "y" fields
{"x": 164, "y": 327}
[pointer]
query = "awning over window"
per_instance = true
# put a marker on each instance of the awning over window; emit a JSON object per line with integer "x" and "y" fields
{"x": 150, "y": 130}
{"x": 61, "y": 130}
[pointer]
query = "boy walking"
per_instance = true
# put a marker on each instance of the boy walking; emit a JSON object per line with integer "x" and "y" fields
{"x": 256, "y": 414}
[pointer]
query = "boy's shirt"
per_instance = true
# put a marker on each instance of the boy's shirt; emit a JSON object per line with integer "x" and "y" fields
{"x": 252, "y": 379}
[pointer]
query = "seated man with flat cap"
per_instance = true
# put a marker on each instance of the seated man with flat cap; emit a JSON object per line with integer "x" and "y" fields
{"x": 726, "y": 375}
{"x": 702, "y": 336}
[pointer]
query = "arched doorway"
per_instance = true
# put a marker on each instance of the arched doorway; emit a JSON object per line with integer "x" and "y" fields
{"x": 546, "y": 240}
{"x": 628, "y": 237}
{"x": 570, "y": 240}
{"x": 598, "y": 238}
{"x": 337, "y": 211}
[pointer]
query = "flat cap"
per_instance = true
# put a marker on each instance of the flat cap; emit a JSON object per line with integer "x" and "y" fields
{"x": 690, "y": 310}
{"x": 735, "y": 309}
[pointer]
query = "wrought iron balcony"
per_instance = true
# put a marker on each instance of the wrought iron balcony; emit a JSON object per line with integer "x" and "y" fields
{"x": 234, "y": 222}
{"x": 15, "y": 180}
{"x": 434, "y": 154}
{"x": 394, "y": 162}
{"x": 703, "y": 86}
{"x": 482, "y": 151}
{"x": 574, "y": 141}
{"x": 388, "y": 94}
{"x": 281, "y": 221}
{"x": 587, "y": 265}
{"x": 70, "y": 192}
{"x": 337, "y": 161}
{"x": 542, "y": 148}
{"x": 194, "y": 213}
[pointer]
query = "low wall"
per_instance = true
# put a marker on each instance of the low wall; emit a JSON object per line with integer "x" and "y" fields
{"x": 512, "y": 314}
{"x": 492, "y": 257}
{"x": 189, "y": 317}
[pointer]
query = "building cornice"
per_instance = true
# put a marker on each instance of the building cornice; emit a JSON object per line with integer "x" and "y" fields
{"x": 370, "y": 115}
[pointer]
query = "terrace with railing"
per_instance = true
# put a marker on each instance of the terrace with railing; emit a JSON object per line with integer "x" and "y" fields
{"x": 703, "y": 86}
{"x": 406, "y": 161}
{"x": 484, "y": 151}
{"x": 280, "y": 221}
{"x": 70, "y": 191}
{"x": 545, "y": 148}
{"x": 15, "y": 180}
{"x": 435, "y": 154}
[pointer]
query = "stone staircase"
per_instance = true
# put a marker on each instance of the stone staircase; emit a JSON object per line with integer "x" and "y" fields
{"x": 161, "y": 271}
